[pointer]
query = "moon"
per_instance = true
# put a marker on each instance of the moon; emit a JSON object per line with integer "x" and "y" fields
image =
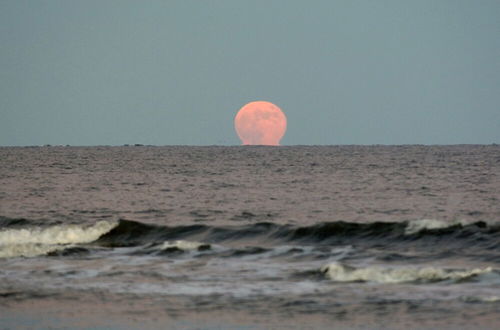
{"x": 260, "y": 123}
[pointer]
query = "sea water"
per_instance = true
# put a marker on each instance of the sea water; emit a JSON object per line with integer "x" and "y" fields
{"x": 250, "y": 237}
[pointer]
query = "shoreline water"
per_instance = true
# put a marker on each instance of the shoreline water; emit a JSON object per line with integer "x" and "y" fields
{"x": 84, "y": 311}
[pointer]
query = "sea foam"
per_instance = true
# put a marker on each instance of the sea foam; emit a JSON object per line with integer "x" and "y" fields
{"x": 184, "y": 245}
{"x": 416, "y": 226}
{"x": 378, "y": 274}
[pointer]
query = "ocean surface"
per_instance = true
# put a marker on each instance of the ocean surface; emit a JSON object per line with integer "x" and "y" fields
{"x": 250, "y": 237}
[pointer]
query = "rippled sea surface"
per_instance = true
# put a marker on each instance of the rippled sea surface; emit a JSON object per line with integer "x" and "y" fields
{"x": 250, "y": 237}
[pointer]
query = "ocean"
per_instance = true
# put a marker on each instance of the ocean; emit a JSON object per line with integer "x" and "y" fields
{"x": 250, "y": 237}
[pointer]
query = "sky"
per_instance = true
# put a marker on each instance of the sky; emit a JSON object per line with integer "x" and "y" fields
{"x": 176, "y": 72}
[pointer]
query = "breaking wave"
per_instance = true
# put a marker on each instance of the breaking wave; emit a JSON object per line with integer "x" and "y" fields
{"x": 343, "y": 273}
{"x": 26, "y": 250}
{"x": 33, "y": 241}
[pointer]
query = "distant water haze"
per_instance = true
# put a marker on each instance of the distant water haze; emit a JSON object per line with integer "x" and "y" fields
{"x": 302, "y": 185}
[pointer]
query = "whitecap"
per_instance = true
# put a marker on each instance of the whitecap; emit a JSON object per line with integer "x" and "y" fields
{"x": 343, "y": 273}
{"x": 483, "y": 299}
{"x": 416, "y": 226}
{"x": 26, "y": 250}
{"x": 184, "y": 245}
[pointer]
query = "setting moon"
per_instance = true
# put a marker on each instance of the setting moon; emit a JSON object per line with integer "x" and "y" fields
{"x": 260, "y": 123}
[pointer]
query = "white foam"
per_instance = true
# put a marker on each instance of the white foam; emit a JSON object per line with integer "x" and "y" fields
{"x": 62, "y": 234}
{"x": 415, "y": 226}
{"x": 30, "y": 242}
{"x": 378, "y": 274}
{"x": 183, "y": 245}
{"x": 490, "y": 299}
{"x": 26, "y": 250}
{"x": 483, "y": 299}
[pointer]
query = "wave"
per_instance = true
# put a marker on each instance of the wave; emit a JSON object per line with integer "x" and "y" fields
{"x": 343, "y": 273}
{"x": 63, "y": 234}
{"x": 33, "y": 241}
{"x": 26, "y": 238}
{"x": 132, "y": 233}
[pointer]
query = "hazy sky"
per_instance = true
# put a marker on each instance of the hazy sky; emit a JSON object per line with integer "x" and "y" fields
{"x": 176, "y": 72}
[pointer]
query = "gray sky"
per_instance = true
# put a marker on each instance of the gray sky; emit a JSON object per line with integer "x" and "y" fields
{"x": 176, "y": 72}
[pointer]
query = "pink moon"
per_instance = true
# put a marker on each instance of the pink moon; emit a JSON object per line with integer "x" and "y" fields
{"x": 260, "y": 123}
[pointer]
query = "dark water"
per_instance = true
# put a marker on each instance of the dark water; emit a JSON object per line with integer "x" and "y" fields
{"x": 250, "y": 237}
